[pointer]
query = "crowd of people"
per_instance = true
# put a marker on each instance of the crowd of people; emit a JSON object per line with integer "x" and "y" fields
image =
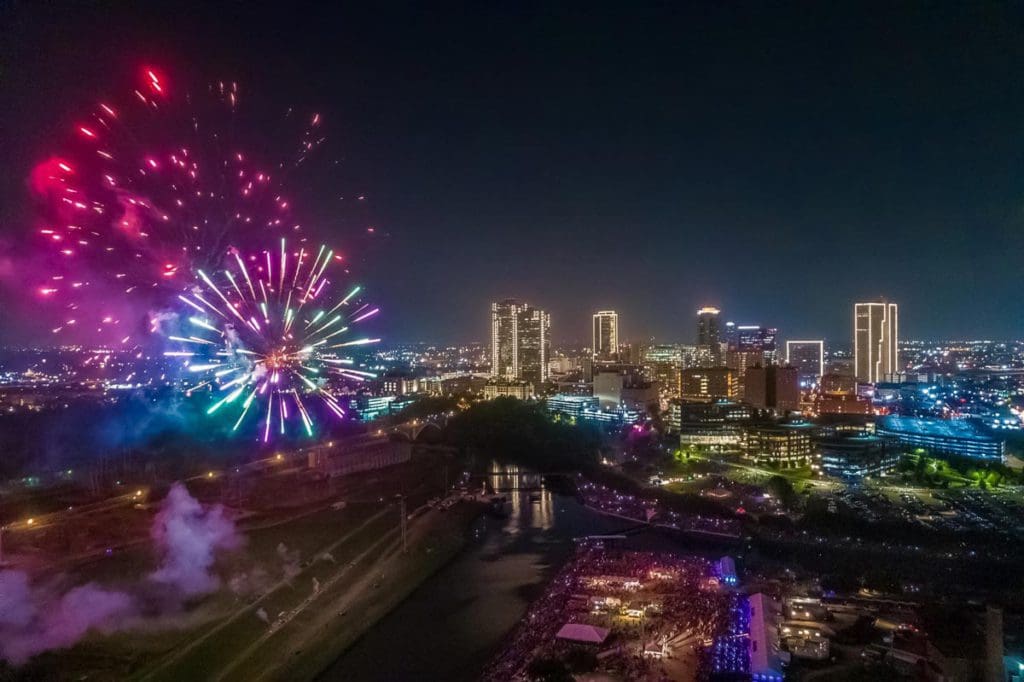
{"x": 729, "y": 653}
{"x": 667, "y": 604}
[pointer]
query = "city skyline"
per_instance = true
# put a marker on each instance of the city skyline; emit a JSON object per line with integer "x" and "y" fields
{"x": 643, "y": 143}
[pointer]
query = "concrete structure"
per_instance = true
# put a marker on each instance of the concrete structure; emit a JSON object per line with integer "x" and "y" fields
{"x": 606, "y": 335}
{"x": 875, "y": 341}
{"x": 956, "y": 437}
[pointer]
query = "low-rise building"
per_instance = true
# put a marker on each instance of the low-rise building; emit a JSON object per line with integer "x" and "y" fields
{"x": 709, "y": 383}
{"x": 853, "y": 456}
{"x": 500, "y": 388}
{"x": 781, "y": 445}
{"x": 938, "y": 437}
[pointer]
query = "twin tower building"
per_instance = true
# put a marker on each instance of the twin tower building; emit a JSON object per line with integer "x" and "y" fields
{"x": 521, "y": 340}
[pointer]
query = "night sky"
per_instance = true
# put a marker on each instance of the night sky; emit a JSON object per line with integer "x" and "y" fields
{"x": 778, "y": 163}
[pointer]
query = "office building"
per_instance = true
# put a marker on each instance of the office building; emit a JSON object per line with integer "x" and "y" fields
{"x": 783, "y": 446}
{"x": 852, "y": 456}
{"x": 606, "y": 336}
{"x": 709, "y": 339}
{"x": 938, "y": 437}
{"x": 663, "y": 364}
{"x": 755, "y": 339}
{"x": 708, "y": 383}
{"x": 571, "y": 405}
{"x": 587, "y": 409}
{"x": 505, "y": 339}
{"x": 875, "y": 341}
{"x": 508, "y": 388}
{"x": 708, "y": 427}
{"x": 624, "y": 386}
{"x": 714, "y": 413}
{"x": 520, "y": 342}
{"x": 774, "y": 387}
{"x": 809, "y": 359}
{"x": 534, "y": 345}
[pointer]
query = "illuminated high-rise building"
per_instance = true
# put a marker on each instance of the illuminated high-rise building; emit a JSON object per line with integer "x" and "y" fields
{"x": 505, "y": 338}
{"x": 606, "y": 335}
{"x": 520, "y": 342}
{"x": 758, "y": 340}
{"x": 749, "y": 345}
{"x": 875, "y": 341}
{"x": 534, "y": 345}
{"x": 709, "y": 338}
{"x": 809, "y": 359}
{"x": 662, "y": 364}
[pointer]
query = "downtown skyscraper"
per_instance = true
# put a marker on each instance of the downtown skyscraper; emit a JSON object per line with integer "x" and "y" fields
{"x": 606, "y": 335}
{"x": 520, "y": 341}
{"x": 709, "y": 338}
{"x": 875, "y": 341}
{"x": 808, "y": 356}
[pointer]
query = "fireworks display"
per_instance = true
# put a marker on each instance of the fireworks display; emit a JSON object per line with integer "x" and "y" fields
{"x": 150, "y": 189}
{"x": 266, "y": 334}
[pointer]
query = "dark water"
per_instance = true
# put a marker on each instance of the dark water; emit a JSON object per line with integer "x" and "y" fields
{"x": 455, "y": 621}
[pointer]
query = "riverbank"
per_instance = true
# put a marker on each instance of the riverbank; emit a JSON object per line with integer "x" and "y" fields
{"x": 307, "y": 645}
{"x": 454, "y": 624}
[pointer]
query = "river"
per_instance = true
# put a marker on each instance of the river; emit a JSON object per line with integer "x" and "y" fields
{"x": 456, "y": 620}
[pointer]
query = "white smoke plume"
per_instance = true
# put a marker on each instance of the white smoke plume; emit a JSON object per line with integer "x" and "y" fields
{"x": 34, "y": 619}
{"x": 188, "y": 537}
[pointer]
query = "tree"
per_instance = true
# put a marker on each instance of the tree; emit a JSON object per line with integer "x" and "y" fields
{"x": 782, "y": 489}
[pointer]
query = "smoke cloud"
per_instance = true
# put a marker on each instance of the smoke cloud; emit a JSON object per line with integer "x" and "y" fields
{"x": 188, "y": 537}
{"x": 34, "y": 619}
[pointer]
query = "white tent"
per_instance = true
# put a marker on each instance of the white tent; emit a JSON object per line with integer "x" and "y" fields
{"x": 586, "y": 634}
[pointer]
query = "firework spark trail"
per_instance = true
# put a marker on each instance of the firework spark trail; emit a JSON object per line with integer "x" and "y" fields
{"x": 279, "y": 359}
{"x": 149, "y": 188}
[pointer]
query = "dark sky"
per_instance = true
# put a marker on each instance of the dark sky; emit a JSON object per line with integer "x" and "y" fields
{"x": 777, "y": 162}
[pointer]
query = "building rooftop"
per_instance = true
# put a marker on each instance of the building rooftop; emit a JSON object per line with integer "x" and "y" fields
{"x": 943, "y": 428}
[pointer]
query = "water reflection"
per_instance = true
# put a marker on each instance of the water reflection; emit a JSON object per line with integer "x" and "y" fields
{"x": 480, "y": 596}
